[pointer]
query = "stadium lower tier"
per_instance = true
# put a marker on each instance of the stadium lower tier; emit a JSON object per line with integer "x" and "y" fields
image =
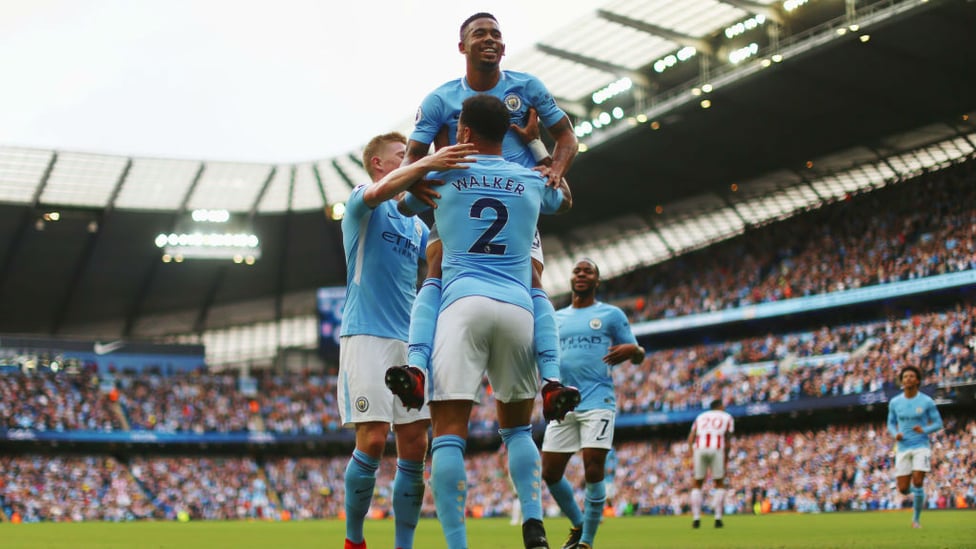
{"x": 822, "y": 469}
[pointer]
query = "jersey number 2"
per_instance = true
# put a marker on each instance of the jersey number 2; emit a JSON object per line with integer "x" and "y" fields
{"x": 484, "y": 245}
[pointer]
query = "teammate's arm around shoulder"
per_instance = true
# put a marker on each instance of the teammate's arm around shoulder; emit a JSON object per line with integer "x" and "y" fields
{"x": 400, "y": 179}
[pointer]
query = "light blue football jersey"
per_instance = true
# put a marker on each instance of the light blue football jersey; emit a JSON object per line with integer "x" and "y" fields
{"x": 585, "y": 336}
{"x": 905, "y": 413}
{"x": 517, "y": 90}
{"x": 486, "y": 219}
{"x": 382, "y": 250}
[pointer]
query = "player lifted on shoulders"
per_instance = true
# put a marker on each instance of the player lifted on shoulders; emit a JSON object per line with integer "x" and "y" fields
{"x": 487, "y": 215}
{"x": 524, "y": 97}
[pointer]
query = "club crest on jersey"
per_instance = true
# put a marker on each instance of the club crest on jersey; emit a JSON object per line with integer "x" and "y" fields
{"x": 918, "y": 410}
{"x": 596, "y": 323}
{"x": 513, "y": 102}
{"x": 362, "y": 404}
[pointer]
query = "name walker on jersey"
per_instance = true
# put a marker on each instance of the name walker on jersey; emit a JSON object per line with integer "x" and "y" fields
{"x": 485, "y": 182}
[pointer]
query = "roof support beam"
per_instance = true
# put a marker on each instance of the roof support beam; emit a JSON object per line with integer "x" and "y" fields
{"x": 264, "y": 190}
{"x": 751, "y": 6}
{"x": 18, "y": 240}
{"x": 605, "y": 66}
{"x": 672, "y": 35}
{"x": 86, "y": 255}
{"x": 283, "y": 262}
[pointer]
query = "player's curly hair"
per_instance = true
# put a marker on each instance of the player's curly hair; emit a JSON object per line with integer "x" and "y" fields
{"x": 916, "y": 369}
{"x": 375, "y": 144}
{"x": 479, "y": 15}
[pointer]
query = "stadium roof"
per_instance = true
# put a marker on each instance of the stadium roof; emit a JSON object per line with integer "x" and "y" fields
{"x": 832, "y": 97}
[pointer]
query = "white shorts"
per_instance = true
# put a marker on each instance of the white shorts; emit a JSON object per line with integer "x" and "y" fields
{"x": 477, "y": 336}
{"x": 535, "y": 252}
{"x": 709, "y": 459}
{"x": 589, "y": 429}
{"x": 916, "y": 459}
{"x": 362, "y": 395}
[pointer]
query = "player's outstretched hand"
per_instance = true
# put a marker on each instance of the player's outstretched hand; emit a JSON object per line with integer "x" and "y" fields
{"x": 453, "y": 157}
{"x": 424, "y": 190}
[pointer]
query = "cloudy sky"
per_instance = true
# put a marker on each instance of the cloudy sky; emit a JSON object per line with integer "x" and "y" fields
{"x": 262, "y": 81}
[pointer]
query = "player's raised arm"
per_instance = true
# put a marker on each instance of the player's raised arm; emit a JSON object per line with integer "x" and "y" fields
{"x": 566, "y": 149}
{"x": 397, "y": 181}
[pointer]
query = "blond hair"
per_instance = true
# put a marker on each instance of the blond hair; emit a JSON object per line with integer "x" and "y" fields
{"x": 375, "y": 144}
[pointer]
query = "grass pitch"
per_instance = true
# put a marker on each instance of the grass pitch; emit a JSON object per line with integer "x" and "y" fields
{"x": 941, "y": 529}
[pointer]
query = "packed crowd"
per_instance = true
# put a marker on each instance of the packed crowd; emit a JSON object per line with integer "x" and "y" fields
{"x": 56, "y": 488}
{"x": 48, "y": 401}
{"x": 841, "y": 360}
{"x": 871, "y": 238}
{"x": 831, "y": 469}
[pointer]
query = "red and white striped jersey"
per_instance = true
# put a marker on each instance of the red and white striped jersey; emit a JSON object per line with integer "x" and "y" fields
{"x": 711, "y": 427}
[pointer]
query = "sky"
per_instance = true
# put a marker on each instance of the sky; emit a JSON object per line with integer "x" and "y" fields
{"x": 271, "y": 81}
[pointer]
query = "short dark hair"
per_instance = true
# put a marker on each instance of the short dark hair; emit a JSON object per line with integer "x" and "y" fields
{"x": 715, "y": 404}
{"x": 916, "y": 369}
{"x": 591, "y": 262}
{"x": 479, "y": 15}
{"x": 486, "y": 116}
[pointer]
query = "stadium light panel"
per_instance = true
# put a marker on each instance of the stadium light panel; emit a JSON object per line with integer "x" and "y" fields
{"x": 790, "y": 5}
{"x": 613, "y": 89}
{"x": 741, "y": 54}
{"x": 743, "y": 27}
{"x": 337, "y": 211}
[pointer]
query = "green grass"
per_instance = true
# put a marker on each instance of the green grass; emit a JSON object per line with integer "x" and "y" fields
{"x": 942, "y": 529}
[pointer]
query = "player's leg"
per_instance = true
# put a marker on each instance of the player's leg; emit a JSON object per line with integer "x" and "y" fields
{"x": 596, "y": 434}
{"x": 368, "y": 408}
{"x": 700, "y": 463}
{"x": 718, "y": 501}
{"x": 512, "y": 374}
{"x": 559, "y": 444}
{"x": 918, "y": 497}
{"x": 408, "y": 482}
{"x": 544, "y": 314}
{"x": 920, "y": 466}
{"x": 459, "y": 359}
{"x": 405, "y": 382}
{"x": 360, "y": 479}
{"x": 718, "y": 477}
{"x": 448, "y": 477}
